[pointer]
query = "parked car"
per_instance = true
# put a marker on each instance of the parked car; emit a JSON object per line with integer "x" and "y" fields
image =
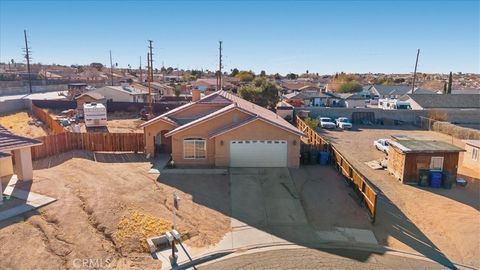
{"x": 343, "y": 123}
{"x": 382, "y": 145}
{"x": 326, "y": 122}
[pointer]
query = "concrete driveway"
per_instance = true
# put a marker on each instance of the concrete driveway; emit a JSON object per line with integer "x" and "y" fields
{"x": 264, "y": 197}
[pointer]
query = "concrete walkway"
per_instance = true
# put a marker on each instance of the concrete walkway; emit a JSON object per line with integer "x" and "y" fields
{"x": 31, "y": 200}
{"x": 159, "y": 163}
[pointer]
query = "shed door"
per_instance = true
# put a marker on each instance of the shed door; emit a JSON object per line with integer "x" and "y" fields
{"x": 261, "y": 153}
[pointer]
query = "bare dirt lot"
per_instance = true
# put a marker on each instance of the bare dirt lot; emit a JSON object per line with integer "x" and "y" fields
{"x": 118, "y": 122}
{"x": 439, "y": 223}
{"x": 18, "y": 124}
{"x": 106, "y": 206}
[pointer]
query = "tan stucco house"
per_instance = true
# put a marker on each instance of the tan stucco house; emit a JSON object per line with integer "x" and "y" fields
{"x": 223, "y": 130}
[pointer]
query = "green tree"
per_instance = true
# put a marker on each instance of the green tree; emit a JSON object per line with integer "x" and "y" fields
{"x": 292, "y": 76}
{"x": 444, "y": 87}
{"x": 98, "y": 66}
{"x": 188, "y": 77}
{"x": 312, "y": 122}
{"x": 177, "y": 90}
{"x": 261, "y": 91}
{"x": 263, "y": 73}
{"x": 245, "y": 76}
{"x": 450, "y": 81}
{"x": 277, "y": 76}
{"x": 350, "y": 87}
{"x": 234, "y": 72}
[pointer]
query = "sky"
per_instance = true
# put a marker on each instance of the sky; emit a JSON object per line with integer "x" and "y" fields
{"x": 275, "y": 36}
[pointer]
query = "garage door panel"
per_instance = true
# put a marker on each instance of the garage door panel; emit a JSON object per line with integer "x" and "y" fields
{"x": 258, "y": 153}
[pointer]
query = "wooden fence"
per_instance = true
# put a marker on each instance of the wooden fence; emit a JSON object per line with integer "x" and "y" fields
{"x": 108, "y": 142}
{"x": 360, "y": 183}
{"x": 46, "y": 118}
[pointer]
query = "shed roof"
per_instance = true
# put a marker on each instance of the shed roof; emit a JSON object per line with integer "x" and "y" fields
{"x": 424, "y": 146}
{"x": 10, "y": 141}
{"x": 94, "y": 95}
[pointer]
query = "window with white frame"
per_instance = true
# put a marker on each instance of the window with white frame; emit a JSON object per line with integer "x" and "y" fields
{"x": 436, "y": 163}
{"x": 475, "y": 154}
{"x": 194, "y": 148}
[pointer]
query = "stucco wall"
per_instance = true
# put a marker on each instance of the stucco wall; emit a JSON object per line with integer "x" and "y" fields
{"x": 151, "y": 131}
{"x": 202, "y": 131}
{"x": 467, "y": 157}
{"x": 15, "y": 105}
{"x": 6, "y": 167}
{"x": 257, "y": 130}
{"x": 409, "y": 116}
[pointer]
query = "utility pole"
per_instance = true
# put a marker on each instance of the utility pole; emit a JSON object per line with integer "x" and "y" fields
{"x": 111, "y": 67}
{"x": 219, "y": 75}
{"x": 415, "y": 71}
{"x": 150, "y": 79}
{"x": 141, "y": 81}
{"x": 27, "y": 56}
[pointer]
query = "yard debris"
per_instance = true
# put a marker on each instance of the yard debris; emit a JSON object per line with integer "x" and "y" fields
{"x": 134, "y": 229}
{"x": 374, "y": 164}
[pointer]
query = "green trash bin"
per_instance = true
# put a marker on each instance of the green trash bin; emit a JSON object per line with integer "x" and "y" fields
{"x": 424, "y": 177}
{"x": 448, "y": 179}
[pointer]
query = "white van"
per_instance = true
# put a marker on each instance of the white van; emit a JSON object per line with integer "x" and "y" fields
{"x": 95, "y": 115}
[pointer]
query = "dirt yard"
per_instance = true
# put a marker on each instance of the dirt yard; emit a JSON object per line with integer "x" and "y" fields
{"x": 439, "y": 223}
{"x": 18, "y": 124}
{"x": 119, "y": 122}
{"x": 107, "y": 204}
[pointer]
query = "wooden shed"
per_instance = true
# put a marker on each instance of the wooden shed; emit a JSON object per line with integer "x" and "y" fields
{"x": 407, "y": 157}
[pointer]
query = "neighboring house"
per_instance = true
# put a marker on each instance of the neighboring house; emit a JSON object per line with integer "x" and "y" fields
{"x": 284, "y": 110}
{"x": 466, "y": 91}
{"x": 351, "y": 100}
{"x": 15, "y": 157}
{"x": 163, "y": 89}
{"x": 446, "y": 101}
{"x": 290, "y": 86}
{"x": 89, "y": 97}
{"x": 471, "y": 158}
{"x": 210, "y": 84}
{"x": 407, "y": 157}
{"x": 394, "y": 91}
{"x": 222, "y": 129}
{"x": 122, "y": 93}
{"x": 306, "y": 98}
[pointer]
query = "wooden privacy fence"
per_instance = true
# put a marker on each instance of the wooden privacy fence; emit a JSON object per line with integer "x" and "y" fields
{"x": 46, "y": 118}
{"x": 108, "y": 142}
{"x": 360, "y": 183}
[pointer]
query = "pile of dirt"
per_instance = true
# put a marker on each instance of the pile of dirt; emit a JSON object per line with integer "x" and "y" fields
{"x": 134, "y": 229}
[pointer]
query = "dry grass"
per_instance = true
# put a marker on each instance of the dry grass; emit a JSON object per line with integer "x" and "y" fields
{"x": 135, "y": 227}
{"x": 457, "y": 131}
{"x": 18, "y": 124}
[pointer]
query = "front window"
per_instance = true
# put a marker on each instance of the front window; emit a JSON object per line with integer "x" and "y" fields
{"x": 194, "y": 148}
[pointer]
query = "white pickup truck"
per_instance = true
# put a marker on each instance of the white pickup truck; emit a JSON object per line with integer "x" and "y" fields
{"x": 382, "y": 145}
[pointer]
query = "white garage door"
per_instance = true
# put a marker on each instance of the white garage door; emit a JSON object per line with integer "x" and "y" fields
{"x": 262, "y": 153}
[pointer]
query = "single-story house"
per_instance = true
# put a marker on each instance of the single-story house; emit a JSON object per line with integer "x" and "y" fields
{"x": 471, "y": 158}
{"x": 89, "y": 97}
{"x": 306, "y": 98}
{"x": 284, "y": 110}
{"x": 122, "y": 93}
{"x": 351, "y": 100}
{"x": 210, "y": 84}
{"x": 15, "y": 157}
{"x": 445, "y": 101}
{"x": 163, "y": 89}
{"x": 290, "y": 86}
{"x": 394, "y": 91}
{"x": 407, "y": 157}
{"x": 223, "y": 130}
